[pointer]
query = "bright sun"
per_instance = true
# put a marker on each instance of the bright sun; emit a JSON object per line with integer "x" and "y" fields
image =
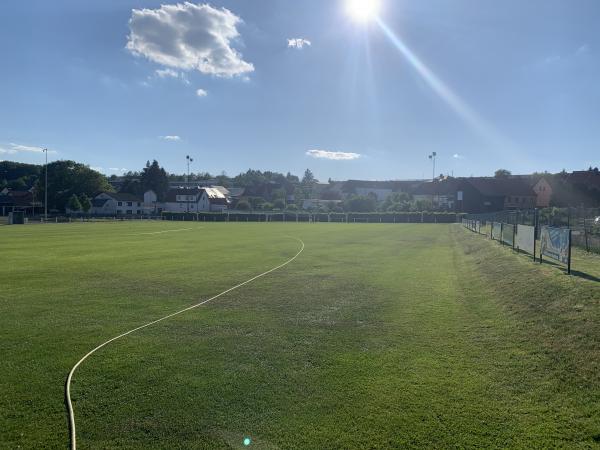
{"x": 363, "y": 10}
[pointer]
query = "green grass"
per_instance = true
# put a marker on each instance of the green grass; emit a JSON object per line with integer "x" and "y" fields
{"x": 377, "y": 336}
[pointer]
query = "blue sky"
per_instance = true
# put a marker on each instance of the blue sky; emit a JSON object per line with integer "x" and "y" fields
{"x": 485, "y": 84}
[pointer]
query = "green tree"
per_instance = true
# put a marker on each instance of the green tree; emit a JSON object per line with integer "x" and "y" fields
{"x": 66, "y": 178}
{"x": 279, "y": 204}
{"x": 502, "y": 173}
{"x": 292, "y": 207}
{"x": 308, "y": 179}
{"x": 74, "y": 204}
{"x": 18, "y": 185}
{"x": 243, "y": 205}
{"x": 155, "y": 178}
{"x": 267, "y": 206}
{"x": 360, "y": 203}
{"x": 85, "y": 203}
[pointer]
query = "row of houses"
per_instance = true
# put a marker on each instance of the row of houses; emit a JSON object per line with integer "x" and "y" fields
{"x": 18, "y": 200}
{"x": 193, "y": 199}
{"x": 477, "y": 194}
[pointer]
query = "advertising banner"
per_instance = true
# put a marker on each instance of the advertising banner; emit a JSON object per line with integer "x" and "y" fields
{"x": 496, "y": 231}
{"x": 508, "y": 234}
{"x": 556, "y": 243}
{"x": 526, "y": 239}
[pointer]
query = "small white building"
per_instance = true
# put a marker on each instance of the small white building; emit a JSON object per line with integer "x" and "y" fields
{"x": 115, "y": 204}
{"x": 195, "y": 200}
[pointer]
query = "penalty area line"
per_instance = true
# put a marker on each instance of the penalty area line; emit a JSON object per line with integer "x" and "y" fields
{"x": 70, "y": 410}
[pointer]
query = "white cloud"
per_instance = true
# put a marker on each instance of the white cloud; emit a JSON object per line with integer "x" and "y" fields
{"x": 336, "y": 156}
{"x": 201, "y": 93}
{"x": 166, "y": 73}
{"x": 170, "y": 73}
{"x": 13, "y": 148}
{"x": 186, "y": 36}
{"x": 116, "y": 169}
{"x": 458, "y": 156}
{"x": 170, "y": 138}
{"x": 298, "y": 43}
{"x": 97, "y": 169}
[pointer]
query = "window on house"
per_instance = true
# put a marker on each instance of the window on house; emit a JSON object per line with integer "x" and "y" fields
{"x": 129, "y": 204}
{"x": 129, "y": 211}
{"x": 120, "y": 204}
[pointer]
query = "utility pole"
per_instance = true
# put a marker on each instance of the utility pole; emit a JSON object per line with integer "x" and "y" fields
{"x": 46, "y": 189}
{"x": 187, "y": 178}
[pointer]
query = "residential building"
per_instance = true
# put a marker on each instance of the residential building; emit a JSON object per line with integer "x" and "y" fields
{"x": 117, "y": 204}
{"x": 478, "y": 195}
{"x": 195, "y": 200}
{"x": 543, "y": 192}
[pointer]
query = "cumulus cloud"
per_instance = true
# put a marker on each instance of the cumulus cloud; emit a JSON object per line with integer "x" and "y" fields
{"x": 186, "y": 36}
{"x": 170, "y": 138}
{"x": 336, "y": 156}
{"x": 13, "y": 148}
{"x": 298, "y": 43}
{"x": 116, "y": 169}
{"x": 201, "y": 93}
{"x": 458, "y": 156}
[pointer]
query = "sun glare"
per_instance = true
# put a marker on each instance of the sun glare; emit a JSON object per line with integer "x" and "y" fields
{"x": 363, "y": 10}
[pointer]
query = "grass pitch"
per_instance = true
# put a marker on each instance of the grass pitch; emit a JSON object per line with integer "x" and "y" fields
{"x": 377, "y": 336}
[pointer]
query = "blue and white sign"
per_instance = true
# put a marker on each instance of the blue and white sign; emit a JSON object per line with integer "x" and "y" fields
{"x": 556, "y": 243}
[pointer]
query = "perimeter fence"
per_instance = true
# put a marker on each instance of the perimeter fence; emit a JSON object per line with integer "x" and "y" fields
{"x": 554, "y": 242}
{"x": 584, "y": 223}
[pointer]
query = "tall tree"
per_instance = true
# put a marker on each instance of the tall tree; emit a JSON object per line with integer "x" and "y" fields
{"x": 66, "y": 178}
{"x": 155, "y": 178}
{"x": 73, "y": 203}
{"x": 308, "y": 179}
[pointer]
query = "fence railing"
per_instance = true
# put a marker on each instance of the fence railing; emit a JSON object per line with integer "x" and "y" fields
{"x": 239, "y": 216}
{"x": 555, "y": 243}
{"x": 585, "y": 223}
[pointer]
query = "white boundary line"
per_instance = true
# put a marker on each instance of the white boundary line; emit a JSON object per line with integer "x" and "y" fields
{"x": 71, "y": 412}
{"x": 162, "y": 232}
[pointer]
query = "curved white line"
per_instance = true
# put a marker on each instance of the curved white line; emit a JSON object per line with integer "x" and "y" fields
{"x": 73, "y": 434}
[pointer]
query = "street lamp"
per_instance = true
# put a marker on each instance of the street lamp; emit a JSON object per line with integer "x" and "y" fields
{"x": 46, "y": 189}
{"x": 187, "y": 178}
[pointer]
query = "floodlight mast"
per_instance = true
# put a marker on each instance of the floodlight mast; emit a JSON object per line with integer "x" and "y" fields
{"x": 432, "y": 157}
{"x": 187, "y": 180}
{"x": 46, "y": 188}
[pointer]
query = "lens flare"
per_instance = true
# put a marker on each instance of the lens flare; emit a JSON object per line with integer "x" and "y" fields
{"x": 458, "y": 105}
{"x": 363, "y": 10}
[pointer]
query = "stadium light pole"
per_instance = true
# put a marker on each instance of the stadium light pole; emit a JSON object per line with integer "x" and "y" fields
{"x": 187, "y": 179}
{"x": 46, "y": 188}
{"x": 432, "y": 157}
